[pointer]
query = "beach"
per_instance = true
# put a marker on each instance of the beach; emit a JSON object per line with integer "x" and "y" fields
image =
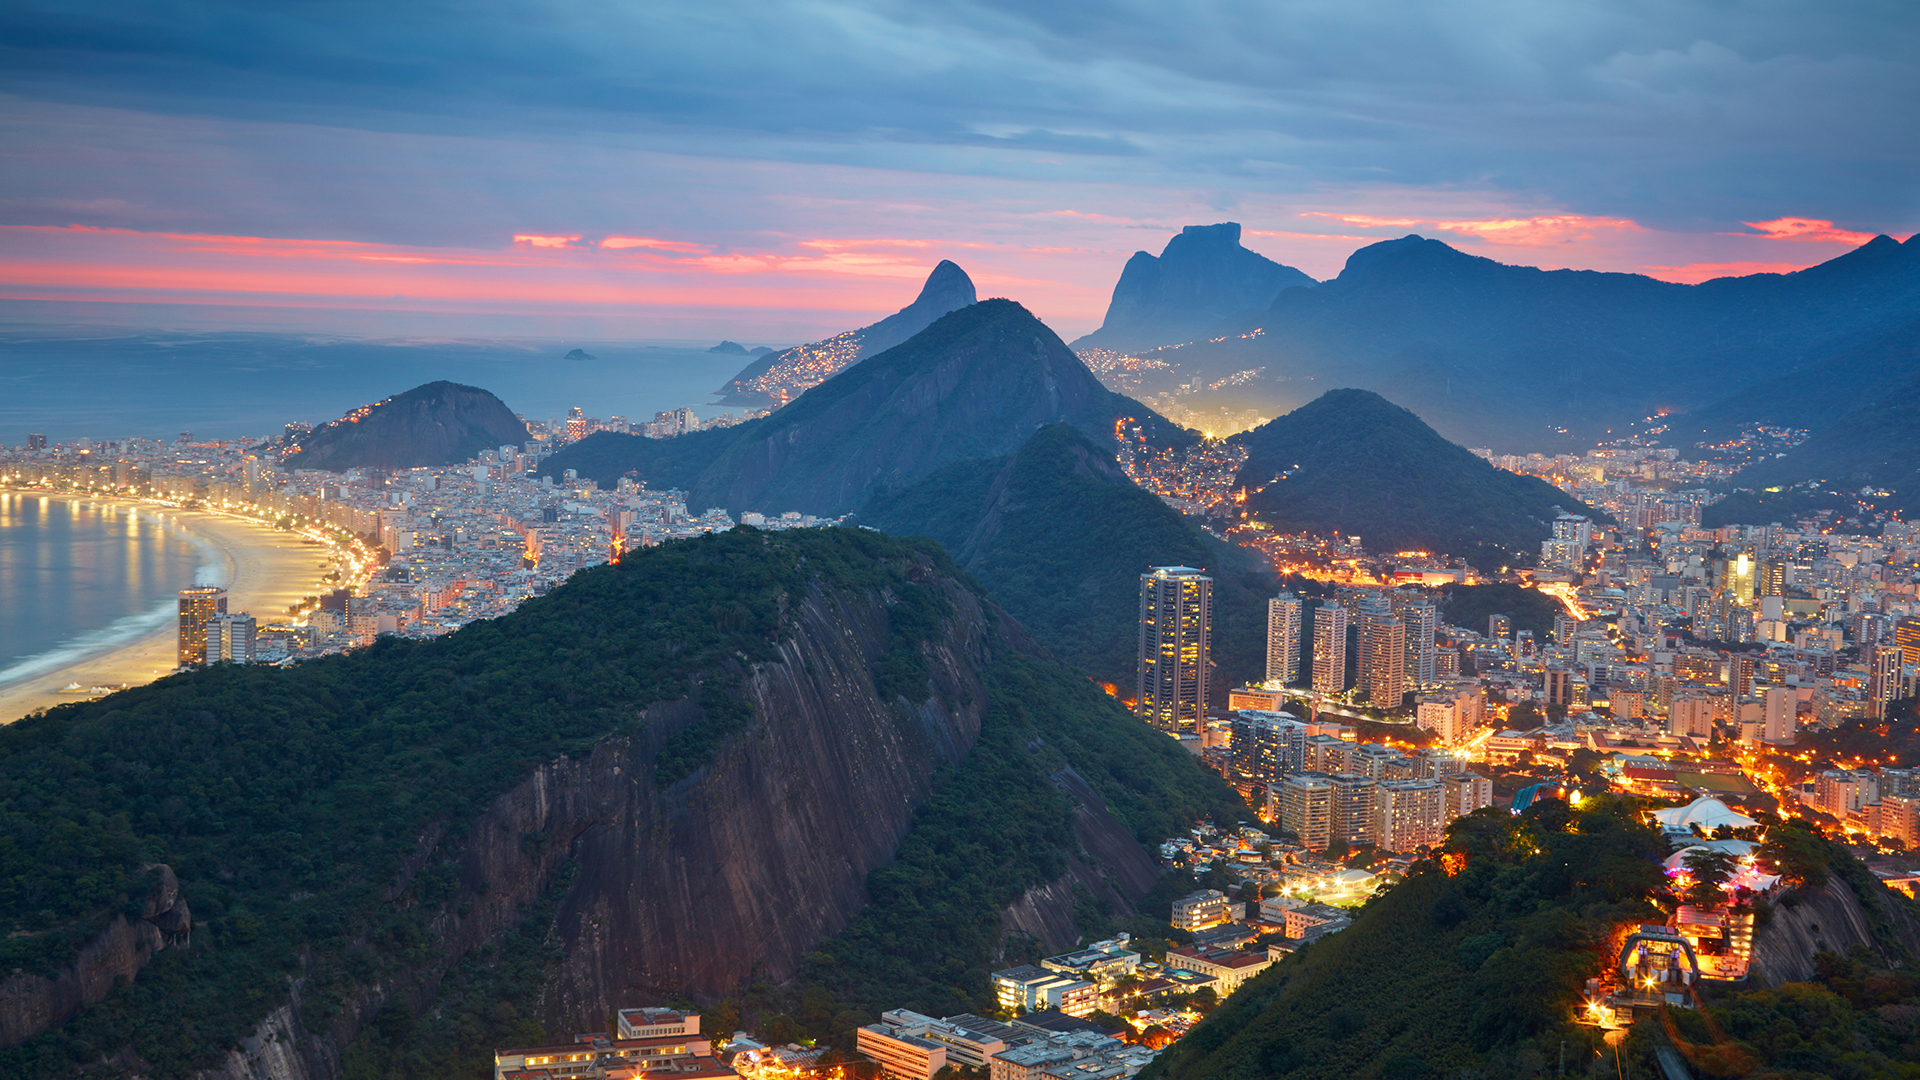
{"x": 265, "y": 571}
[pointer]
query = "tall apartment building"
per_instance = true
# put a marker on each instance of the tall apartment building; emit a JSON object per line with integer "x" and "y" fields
{"x": 1780, "y": 703}
{"x": 1559, "y": 685}
{"x": 1306, "y": 808}
{"x": 1421, "y": 621}
{"x": 1267, "y": 745}
{"x": 1883, "y": 678}
{"x": 1441, "y": 714}
{"x": 198, "y": 606}
{"x": 1176, "y": 629}
{"x": 230, "y": 639}
{"x": 1383, "y": 658}
{"x": 1352, "y": 807}
{"x": 1330, "y": 649}
{"x": 1409, "y": 814}
{"x": 1499, "y": 627}
{"x": 1283, "y": 639}
{"x": 1906, "y": 637}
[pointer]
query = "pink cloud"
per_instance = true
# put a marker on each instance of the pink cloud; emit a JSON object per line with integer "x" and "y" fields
{"x": 1366, "y": 221}
{"x": 1793, "y": 228}
{"x": 1528, "y": 231}
{"x": 1695, "y": 273}
{"x": 544, "y": 241}
{"x": 620, "y": 243}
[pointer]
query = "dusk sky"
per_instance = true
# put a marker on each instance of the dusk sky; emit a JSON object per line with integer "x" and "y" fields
{"x": 777, "y": 171}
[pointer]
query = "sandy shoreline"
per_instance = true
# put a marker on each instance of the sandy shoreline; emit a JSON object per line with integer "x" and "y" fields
{"x": 267, "y": 570}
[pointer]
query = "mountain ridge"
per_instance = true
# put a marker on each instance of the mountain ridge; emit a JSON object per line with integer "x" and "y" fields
{"x": 947, "y": 288}
{"x": 1525, "y": 358}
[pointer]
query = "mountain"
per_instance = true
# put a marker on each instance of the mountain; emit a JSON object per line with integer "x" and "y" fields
{"x": 441, "y": 423}
{"x": 579, "y": 354}
{"x": 1018, "y": 524}
{"x": 975, "y": 384}
{"x": 776, "y": 378}
{"x": 729, "y": 348}
{"x": 1354, "y": 463}
{"x": 642, "y": 786}
{"x": 1875, "y": 446}
{"x": 1816, "y": 396}
{"x": 1201, "y": 277}
{"x": 1522, "y": 358}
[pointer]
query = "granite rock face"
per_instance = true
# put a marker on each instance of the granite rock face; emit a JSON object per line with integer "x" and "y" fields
{"x": 1201, "y": 277}
{"x": 31, "y": 1003}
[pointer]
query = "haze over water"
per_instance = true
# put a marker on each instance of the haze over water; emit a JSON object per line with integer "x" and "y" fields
{"x": 79, "y": 577}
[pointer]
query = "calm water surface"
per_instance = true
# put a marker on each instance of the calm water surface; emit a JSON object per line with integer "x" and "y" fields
{"x": 79, "y": 577}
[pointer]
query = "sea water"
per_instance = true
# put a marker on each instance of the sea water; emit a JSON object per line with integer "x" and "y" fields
{"x": 79, "y": 577}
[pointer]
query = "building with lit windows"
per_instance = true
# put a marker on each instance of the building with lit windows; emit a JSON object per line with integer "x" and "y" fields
{"x": 1306, "y": 808}
{"x": 1283, "y": 639}
{"x": 198, "y": 606}
{"x": 230, "y": 639}
{"x": 1330, "y": 649}
{"x": 1176, "y": 627}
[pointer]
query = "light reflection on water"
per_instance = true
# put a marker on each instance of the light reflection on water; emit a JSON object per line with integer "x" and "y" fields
{"x": 81, "y": 576}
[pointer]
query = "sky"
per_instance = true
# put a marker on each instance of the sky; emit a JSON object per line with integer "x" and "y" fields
{"x": 776, "y": 171}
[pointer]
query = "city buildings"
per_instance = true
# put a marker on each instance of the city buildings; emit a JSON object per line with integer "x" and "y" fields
{"x": 1306, "y": 808}
{"x": 1176, "y": 625}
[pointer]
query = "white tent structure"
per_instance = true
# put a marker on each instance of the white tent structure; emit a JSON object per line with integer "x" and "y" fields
{"x": 1708, "y": 813}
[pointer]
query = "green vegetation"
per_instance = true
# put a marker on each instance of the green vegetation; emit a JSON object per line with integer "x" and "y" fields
{"x": 284, "y": 799}
{"x": 1357, "y": 464}
{"x": 1060, "y": 537}
{"x": 1469, "y": 607}
{"x": 1874, "y": 446}
{"x": 1745, "y": 507}
{"x": 1482, "y": 970}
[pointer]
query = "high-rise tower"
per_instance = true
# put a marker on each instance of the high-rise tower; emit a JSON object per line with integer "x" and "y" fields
{"x": 1383, "y": 659}
{"x": 198, "y": 606}
{"x": 1329, "y": 649}
{"x": 1283, "y": 639}
{"x": 1176, "y": 629}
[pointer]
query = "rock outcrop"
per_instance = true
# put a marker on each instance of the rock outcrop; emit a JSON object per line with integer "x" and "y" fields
{"x": 1201, "y": 277}
{"x": 1834, "y": 918}
{"x": 30, "y": 1003}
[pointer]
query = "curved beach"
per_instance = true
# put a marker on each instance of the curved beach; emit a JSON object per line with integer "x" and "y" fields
{"x": 266, "y": 571}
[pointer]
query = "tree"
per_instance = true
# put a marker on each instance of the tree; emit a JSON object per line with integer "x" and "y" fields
{"x": 1795, "y": 851}
{"x": 1709, "y": 870}
{"x": 1525, "y": 717}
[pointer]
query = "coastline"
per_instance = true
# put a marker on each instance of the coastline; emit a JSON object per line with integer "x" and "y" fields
{"x": 266, "y": 571}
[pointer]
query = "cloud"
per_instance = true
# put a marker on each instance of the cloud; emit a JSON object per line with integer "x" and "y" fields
{"x": 1523, "y": 231}
{"x": 1695, "y": 273}
{"x": 621, "y": 243}
{"x": 1793, "y": 228}
{"x": 545, "y": 241}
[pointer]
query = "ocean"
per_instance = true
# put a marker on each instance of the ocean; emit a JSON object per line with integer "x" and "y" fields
{"x": 80, "y": 577}
{"x": 72, "y": 383}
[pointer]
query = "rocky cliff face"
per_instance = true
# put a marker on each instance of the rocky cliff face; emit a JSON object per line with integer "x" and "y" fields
{"x": 1835, "y": 918}
{"x": 691, "y": 888}
{"x": 29, "y": 1003}
{"x": 1110, "y": 865}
